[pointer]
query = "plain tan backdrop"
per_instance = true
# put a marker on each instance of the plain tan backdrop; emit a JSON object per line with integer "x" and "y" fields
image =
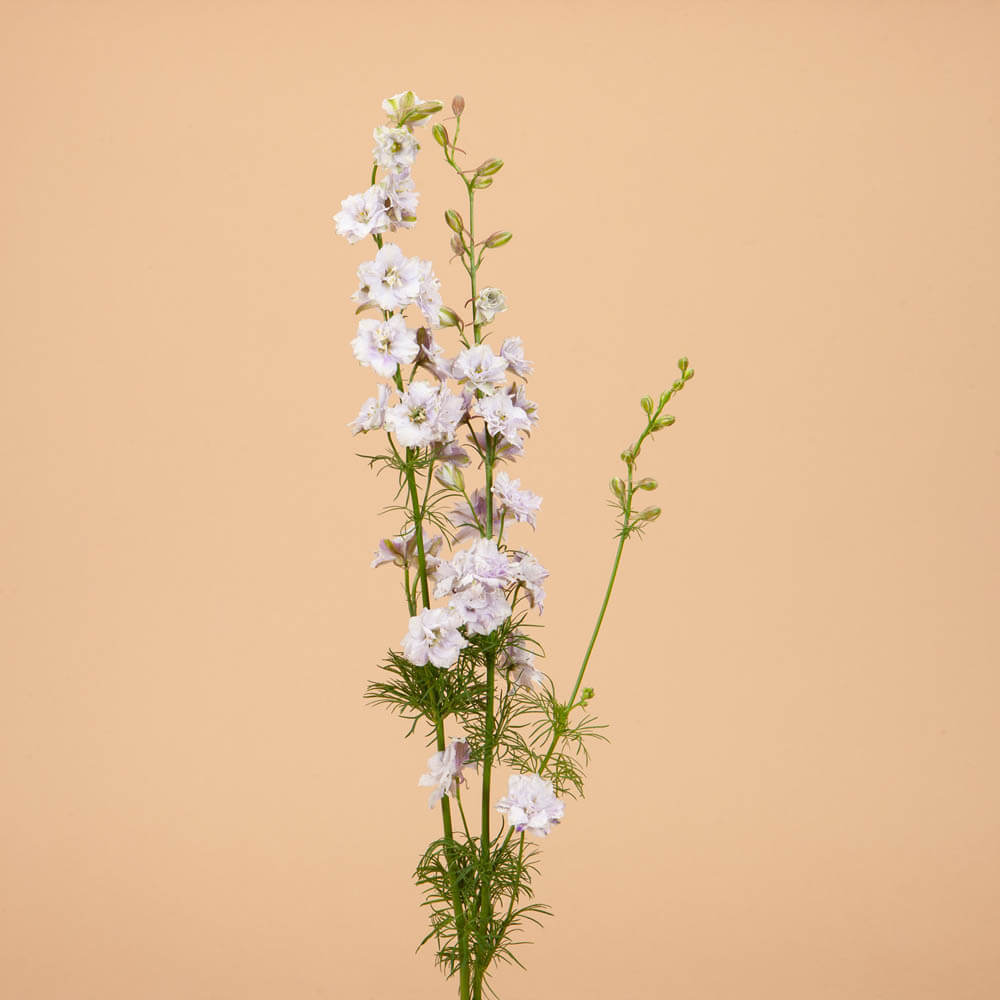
{"x": 800, "y": 669}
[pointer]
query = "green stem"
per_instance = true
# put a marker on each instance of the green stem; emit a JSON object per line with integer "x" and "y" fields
{"x": 449, "y": 835}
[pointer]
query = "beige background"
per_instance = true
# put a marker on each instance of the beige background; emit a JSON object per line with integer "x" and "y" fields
{"x": 800, "y": 669}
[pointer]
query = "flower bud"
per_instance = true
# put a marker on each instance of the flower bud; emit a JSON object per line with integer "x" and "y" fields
{"x": 457, "y": 104}
{"x": 647, "y": 483}
{"x": 688, "y": 374}
{"x": 660, "y": 422}
{"x": 618, "y": 488}
{"x": 498, "y": 239}
{"x": 440, "y": 134}
{"x": 482, "y": 182}
{"x": 628, "y": 455}
{"x": 454, "y": 221}
{"x": 448, "y": 317}
{"x": 677, "y": 386}
{"x": 664, "y": 397}
{"x": 457, "y": 246}
{"x": 488, "y": 167}
{"x": 682, "y": 364}
{"x": 450, "y": 477}
{"x": 649, "y": 514}
{"x": 647, "y": 404}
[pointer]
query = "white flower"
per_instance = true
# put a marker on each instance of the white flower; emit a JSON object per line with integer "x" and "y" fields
{"x": 512, "y": 352}
{"x": 489, "y": 302}
{"x": 392, "y": 280}
{"x": 424, "y": 415}
{"x": 531, "y": 804}
{"x": 428, "y": 296}
{"x": 401, "y": 550}
{"x": 444, "y": 771}
{"x": 385, "y": 344}
{"x": 481, "y": 609}
{"x": 532, "y": 574}
{"x": 432, "y": 356}
{"x": 372, "y": 414}
{"x": 395, "y": 148}
{"x": 521, "y": 503}
{"x": 398, "y": 200}
{"x": 404, "y": 103}
{"x": 481, "y": 563}
{"x": 521, "y": 666}
{"x": 433, "y": 637}
{"x": 503, "y": 417}
{"x": 479, "y": 368}
{"x": 361, "y": 215}
{"x": 521, "y": 400}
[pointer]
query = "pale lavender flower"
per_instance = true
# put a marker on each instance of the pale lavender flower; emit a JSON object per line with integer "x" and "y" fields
{"x": 480, "y": 369}
{"x": 532, "y": 574}
{"x": 433, "y": 637}
{"x": 444, "y": 771}
{"x": 428, "y": 297}
{"x": 431, "y": 355}
{"x": 520, "y": 664}
{"x": 361, "y": 215}
{"x": 489, "y": 302}
{"x": 383, "y": 345}
{"x": 401, "y": 550}
{"x": 398, "y": 200}
{"x": 392, "y": 280}
{"x": 513, "y": 353}
{"x": 481, "y": 609}
{"x": 503, "y": 450}
{"x": 481, "y": 563}
{"x": 525, "y": 675}
{"x": 452, "y": 454}
{"x": 523, "y": 504}
{"x": 503, "y": 417}
{"x": 469, "y": 520}
{"x": 521, "y": 400}
{"x": 395, "y": 147}
{"x": 425, "y": 414}
{"x": 531, "y": 804}
{"x": 372, "y": 414}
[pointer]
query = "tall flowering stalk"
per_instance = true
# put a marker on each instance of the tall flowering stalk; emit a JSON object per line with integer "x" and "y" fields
{"x": 465, "y": 671}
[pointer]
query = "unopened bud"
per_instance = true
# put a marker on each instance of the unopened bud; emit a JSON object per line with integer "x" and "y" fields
{"x": 682, "y": 363}
{"x": 664, "y": 398}
{"x": 618, "y": 488}
{"x": 688, "y": 374}
{"x": 647, "y": 404}
{"x": 678, "y": 385}
{"x": 649, "y": 514}
{"x": 454, "y": 220}
{"x": 457, "y": 246}
{"x": 440, "y": 134}
{"x": 482, "y": 182}
{"x": 450, "y": 477}
{"x": 647, "y": 483}
{"x": 488, "y": 167}
{"x": 495, "y": 240}
{"x": 628, "y": 456}
{"x": 660, "y": 422}
{"x": 448, "y": 317}
{"x": 457, "y": 104}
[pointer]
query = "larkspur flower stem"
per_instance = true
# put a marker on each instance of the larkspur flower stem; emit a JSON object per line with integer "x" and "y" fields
{"x": 449, "y": 836}
{"x": 439, "y": 733}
